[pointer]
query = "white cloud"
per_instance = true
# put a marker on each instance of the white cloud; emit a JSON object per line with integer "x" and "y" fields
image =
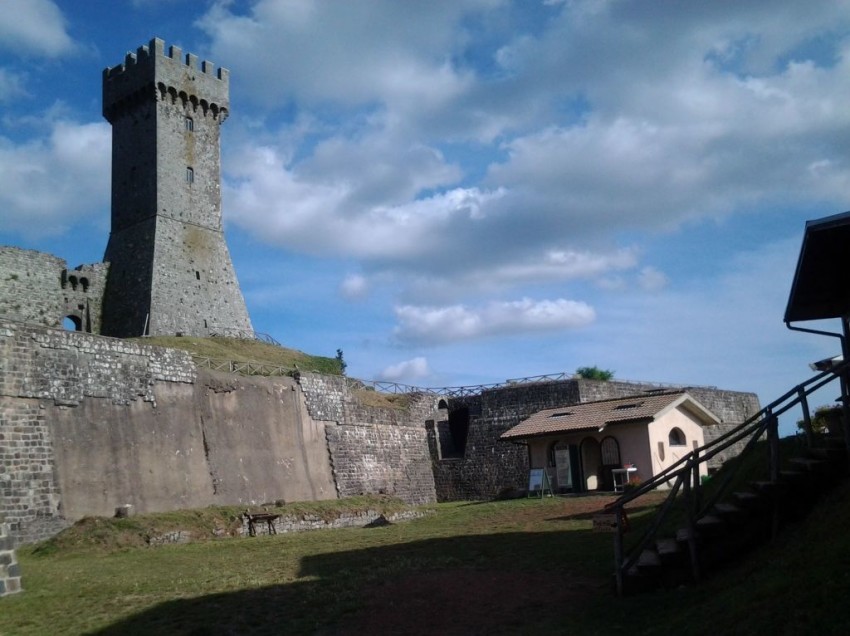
{"x": 351, "y": 53}
{"x": 34, "y": 27}
{"x": 457, "y": 322}
{"x": 652, "y": 279}
{"x": 322, "y": 212}
{"x": 354, "y": 287}
{"x": 48, "y": 184}
{"x": 407, "y": 371}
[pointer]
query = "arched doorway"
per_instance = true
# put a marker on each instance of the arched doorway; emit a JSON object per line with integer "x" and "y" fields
{"x": 591, "y": 463}
{"x": 610, "y": 449}
{"x": 72, "y": 323}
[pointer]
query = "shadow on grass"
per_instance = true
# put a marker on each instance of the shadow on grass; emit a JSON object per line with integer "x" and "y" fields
{"x": 469, "y": 584}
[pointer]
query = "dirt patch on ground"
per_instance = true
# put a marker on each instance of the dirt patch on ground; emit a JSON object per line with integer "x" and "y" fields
{"x": 467, "y": 602}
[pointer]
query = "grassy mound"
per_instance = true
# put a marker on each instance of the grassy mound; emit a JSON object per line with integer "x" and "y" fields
{"x": 105, "y": 534}
{"x": 242, "y": 350}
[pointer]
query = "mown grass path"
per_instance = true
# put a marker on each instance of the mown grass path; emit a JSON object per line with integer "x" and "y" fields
{"x": 514, "y": 567}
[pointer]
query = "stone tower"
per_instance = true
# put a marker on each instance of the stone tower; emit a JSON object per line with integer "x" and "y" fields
{"x": 170, "y": 271}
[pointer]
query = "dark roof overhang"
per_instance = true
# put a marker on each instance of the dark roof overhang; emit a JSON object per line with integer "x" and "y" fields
{"x": 821, "y": 286}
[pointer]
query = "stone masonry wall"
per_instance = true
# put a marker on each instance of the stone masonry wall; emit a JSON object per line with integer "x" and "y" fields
{"x": 29, "y": 286}
{"x": 45, "y": 369}
{"x": 391, "y": 460}
{"x": 39, "y": 288}
{"x": 373, "y": 449}
{"x": 10, "y": 571}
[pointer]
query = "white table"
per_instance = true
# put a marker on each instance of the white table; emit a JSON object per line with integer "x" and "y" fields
{"x": 621, "y": 477}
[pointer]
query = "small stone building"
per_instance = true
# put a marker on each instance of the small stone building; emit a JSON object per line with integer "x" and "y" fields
{"x": 584, "y": 446}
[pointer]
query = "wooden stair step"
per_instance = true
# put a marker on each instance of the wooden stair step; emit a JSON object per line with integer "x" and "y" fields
{"x": 812, "y": 465}
{"x": 729, "y": 511}
{"x": 710, "y": 525}
{"x": 747, "y": 499}
{"x": 668, "y": 549}
{"x": 648, "y": 559}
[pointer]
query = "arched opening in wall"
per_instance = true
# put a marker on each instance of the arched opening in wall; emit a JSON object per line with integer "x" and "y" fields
{"x": 610, "y": 449}
{"x": 445, "y": 445}
{"x": 458, "y": 432}
{"x": 72, "y": 323}
{"x": 591, "y": 463}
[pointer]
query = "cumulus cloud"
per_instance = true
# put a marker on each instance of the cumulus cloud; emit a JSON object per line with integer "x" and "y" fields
{"x": 347, "y": 52}
{"x": 354, "y": 287}
{"x": 458, "y": 322}
{"x": 461, "y": 154}
{"x": 407, "y": 371}
{"x": 34, "y": 27}
{"x": 322, "y": 212}
{"x": 48, "y": 184}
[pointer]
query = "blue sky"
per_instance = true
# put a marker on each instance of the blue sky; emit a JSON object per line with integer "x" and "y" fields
{"x": 463, "y": 192}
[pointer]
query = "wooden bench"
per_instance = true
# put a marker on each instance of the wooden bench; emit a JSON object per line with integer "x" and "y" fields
{"x": 253, "y": 518}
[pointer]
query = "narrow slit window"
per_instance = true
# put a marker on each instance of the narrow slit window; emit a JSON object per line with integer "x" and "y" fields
{"x": 190, "y": 175}
{"x": 197, "y": 275}
{"x": 190, "y": 124}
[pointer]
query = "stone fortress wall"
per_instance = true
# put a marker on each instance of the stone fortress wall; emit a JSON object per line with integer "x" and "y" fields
{"x": 89, "y": 423}
{"x": 10, "y": 571}
{"x": 39, "y": 288}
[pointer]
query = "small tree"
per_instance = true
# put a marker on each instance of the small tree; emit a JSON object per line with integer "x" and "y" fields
{"x": 340, "y": 361}
{"x": 820, "y": 418}
{"x": 594, "y": 373}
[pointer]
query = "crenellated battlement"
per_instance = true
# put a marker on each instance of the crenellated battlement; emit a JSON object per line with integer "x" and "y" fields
{"x": 154, "y": 71}
{"x": 157, "y": 46}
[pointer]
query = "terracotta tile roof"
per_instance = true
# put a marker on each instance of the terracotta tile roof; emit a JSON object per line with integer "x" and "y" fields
{"x": 594, "y": 415}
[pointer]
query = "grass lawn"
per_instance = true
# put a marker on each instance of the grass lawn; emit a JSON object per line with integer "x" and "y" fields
{"x": 526, "y": 566}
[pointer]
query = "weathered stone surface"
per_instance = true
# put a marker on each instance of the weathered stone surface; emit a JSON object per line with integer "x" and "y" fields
{"x": 10, "y": 571}
{"x": 170, "y": 269}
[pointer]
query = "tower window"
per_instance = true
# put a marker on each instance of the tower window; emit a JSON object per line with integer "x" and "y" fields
{"x": 190, "y": 175}
{"x": 197, "y": 275}
{"x": 190, "y": 124}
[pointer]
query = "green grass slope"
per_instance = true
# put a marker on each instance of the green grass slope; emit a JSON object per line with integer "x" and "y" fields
{"x": 241, "y": 350}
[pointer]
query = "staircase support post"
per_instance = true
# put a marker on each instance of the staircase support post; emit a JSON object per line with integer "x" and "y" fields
{"x": 692, "y": 526}
{"x": 773, "y": 464}
{"x": 618, "y": 551}
{"x": 807, "y": 418}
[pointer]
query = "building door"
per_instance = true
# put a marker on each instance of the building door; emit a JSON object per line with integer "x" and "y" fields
{"x": 610, "y": 460}
{"x": 563, "y": 467}
{"x": 591, "y": 463}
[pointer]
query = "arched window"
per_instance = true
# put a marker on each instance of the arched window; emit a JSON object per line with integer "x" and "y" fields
{"x": 72, "y": 323}
{"x": 676, "y": 437}
{"x": 610, "y": 452}
{"x": 190, "y": 175}
{"x": 189, "y": 124}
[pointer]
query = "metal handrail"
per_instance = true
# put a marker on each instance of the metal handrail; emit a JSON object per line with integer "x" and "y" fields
{"x": 686, "y": 470}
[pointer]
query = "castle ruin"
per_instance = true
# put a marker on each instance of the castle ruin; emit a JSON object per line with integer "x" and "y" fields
{"x": 90, "y": 423}
{"x": 167, "y": 269}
